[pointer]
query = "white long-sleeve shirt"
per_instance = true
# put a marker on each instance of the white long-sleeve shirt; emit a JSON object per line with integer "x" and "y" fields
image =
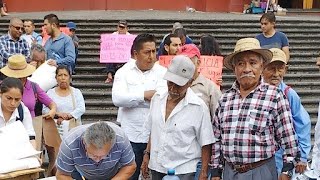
{"x": 128, "y": 89}
{"x": 177, "y": 142}
{"x": 27, "y": 119}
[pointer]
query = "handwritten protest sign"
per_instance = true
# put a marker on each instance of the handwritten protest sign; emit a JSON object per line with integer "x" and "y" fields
{"x": 45, "y": 35}
{"x": 115, "y": 48}
{"x": 210, "y": 66}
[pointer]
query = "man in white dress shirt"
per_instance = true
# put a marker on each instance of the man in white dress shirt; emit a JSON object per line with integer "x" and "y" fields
{"x": 134, "y": 85}
{"x": 180, "y": 125}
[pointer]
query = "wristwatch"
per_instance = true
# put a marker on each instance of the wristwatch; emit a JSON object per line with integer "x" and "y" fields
{"x": 145, "y": 152}
{"x": 288, "y": 173}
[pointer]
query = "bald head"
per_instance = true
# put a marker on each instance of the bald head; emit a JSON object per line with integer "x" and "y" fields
{"x": 15, "y": 28}
{"x": 176, "y": 25}
{"x": 15, "y": 20}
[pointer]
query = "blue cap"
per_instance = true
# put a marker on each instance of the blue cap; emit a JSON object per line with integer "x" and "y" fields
{"x": 71, "y": 25}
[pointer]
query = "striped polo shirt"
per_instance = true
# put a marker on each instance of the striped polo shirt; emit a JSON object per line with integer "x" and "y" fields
{"x": 72, "y": 155}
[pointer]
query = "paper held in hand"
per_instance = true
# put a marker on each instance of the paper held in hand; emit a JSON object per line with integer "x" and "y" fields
{"x": 16, "y": 152}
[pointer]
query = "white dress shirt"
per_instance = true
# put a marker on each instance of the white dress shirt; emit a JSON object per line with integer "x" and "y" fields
{"x": 128, "y": 94}
{"x": 177, "y": 142}
{"x": 27, "y": 119}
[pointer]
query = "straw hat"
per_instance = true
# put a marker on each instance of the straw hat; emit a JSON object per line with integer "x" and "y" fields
{"x": 278, "y": 55}
{"x": 247, "y": 44}
{"x": 17, "y": 67}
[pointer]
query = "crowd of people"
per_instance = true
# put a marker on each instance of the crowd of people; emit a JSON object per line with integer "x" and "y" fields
{"x": 172, "y": 117}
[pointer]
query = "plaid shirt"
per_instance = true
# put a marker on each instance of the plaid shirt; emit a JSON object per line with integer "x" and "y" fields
{"x": 9, "y": 47}
{"x": 253, "y": 128}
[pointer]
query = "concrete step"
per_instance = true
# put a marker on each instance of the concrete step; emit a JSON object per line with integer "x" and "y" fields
{"x": 91, "y": 116}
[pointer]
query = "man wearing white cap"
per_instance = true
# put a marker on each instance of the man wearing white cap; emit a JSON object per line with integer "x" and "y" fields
{"x": 252, "y": 121}
{"x": 273, "y": 74}
{"x": 180, "y": 125}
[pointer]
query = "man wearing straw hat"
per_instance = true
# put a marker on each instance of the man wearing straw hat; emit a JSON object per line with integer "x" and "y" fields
{"x": 252, "y": 121}
{"x": 273, "y": 74}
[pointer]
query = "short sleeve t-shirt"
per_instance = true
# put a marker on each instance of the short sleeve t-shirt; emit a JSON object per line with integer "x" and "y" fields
{"x": 278, "y": 40}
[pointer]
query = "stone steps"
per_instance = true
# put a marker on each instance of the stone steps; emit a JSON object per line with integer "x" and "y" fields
{"x": 303, "y": 74}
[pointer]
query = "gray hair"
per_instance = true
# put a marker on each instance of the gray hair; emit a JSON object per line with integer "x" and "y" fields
{"x": 99, "y": 134}
{"x": 38, "y": 48}
{"x": 177, "y": 25}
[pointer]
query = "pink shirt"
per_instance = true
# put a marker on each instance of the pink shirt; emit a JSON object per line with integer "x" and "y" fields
{"x": 29, "y": 99}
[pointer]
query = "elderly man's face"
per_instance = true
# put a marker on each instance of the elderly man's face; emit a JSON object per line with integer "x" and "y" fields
{"x": 39, "y": 57}
{"x": 175, "y": 91}
{"x": 97, "y": 154}
{"x": 248, "y": 67}
{"x": 273, "y": 73}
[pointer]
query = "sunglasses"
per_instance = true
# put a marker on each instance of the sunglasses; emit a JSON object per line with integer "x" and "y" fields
{"x": 18, "y": 28}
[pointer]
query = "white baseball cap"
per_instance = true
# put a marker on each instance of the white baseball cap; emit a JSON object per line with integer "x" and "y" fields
{"x": 180, "y": 70}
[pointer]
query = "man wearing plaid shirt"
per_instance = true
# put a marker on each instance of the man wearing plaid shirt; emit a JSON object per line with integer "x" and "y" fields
{"x": 252, "y": 121}
{"x": 12, "y": 43}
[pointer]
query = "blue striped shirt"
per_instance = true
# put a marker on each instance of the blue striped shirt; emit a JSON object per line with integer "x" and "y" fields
{"x": 72, "y": 155}
{"x": 9, "y": 47}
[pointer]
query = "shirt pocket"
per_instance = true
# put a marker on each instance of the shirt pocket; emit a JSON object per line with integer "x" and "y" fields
{"x": 150, "y": 82}
{"x": 133, "y": 84}
{"x": 258, "y": 120}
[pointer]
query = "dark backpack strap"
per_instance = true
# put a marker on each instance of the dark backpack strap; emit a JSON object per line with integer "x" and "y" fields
{"x": 286, "y": 90}
{"x": 20, "y": 111}
{"x": 38, "y": 105}
{"x": 35, "y": 92}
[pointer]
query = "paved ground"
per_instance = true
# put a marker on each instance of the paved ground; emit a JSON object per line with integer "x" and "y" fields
{"x": 152, "y": 14}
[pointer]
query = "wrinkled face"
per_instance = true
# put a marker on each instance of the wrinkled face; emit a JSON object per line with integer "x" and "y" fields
{"x": 146, "y": 56}
{"x": 175, "y": 91}
{"x": 273, "y": 72}
{"x": 266, "y": 26}
{"x": 174, "y": 46}
{"x": 63, "y": 79}
{"x": 28, "y": 27}
{"x": 122, "y": 29}
{"x": 48, "y": 27}
{"x": 16, "y": 29}
{"x": 11, "y": 99}
{"x": 248, "y": 67}
{"x": 97, "y": 154}
{"x": 38, "y": 56}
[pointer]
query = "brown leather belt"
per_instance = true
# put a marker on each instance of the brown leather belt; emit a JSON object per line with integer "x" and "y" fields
{"x": 247, "y": 167}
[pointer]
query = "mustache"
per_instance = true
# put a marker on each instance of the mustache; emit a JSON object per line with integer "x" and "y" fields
{"x": 247, "y": 75}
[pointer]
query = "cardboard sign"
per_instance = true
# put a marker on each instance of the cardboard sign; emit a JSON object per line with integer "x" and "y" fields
{"x": 115, "y": 48}
{"x": 45, "y": 35}
{"x": 210, "y": 67}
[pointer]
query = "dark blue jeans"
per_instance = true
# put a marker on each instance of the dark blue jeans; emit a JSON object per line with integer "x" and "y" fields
{"x": 138, "y": 149}
{"x": 199, "y": 166}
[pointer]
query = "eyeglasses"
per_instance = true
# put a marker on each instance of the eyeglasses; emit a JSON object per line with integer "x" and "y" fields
{"x": 18, "y": 28}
